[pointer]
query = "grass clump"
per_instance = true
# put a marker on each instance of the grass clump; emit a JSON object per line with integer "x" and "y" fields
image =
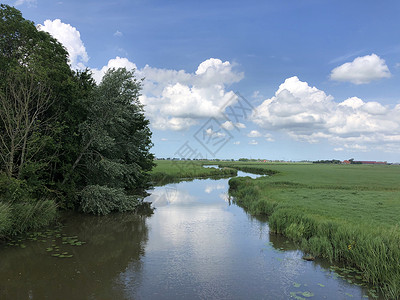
{"x": 346, "y": 214}
{"x": 20, "y": 211}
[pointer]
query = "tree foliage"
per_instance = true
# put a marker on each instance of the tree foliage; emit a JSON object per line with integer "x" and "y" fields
{"x": 63, "y": 139}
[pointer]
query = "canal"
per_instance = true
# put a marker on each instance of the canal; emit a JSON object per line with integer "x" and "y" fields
{"x": 196, "y": 245}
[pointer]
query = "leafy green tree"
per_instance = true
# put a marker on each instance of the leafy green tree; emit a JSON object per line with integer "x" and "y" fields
{"x": 115, "y": 149}
{"x": 63, "y": 139}
{"x": 34, "y": 75}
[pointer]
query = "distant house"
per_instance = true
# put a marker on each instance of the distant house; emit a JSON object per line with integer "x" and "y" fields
{"x": 346, "y": 162}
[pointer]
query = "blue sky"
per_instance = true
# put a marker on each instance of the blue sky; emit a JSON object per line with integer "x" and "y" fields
{"x": 321, "y": 77}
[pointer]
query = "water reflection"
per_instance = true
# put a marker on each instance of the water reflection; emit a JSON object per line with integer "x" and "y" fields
{"x": 203, "y": 247}
{"x": 195, "y": 246}
{"x": 112, "y": 243}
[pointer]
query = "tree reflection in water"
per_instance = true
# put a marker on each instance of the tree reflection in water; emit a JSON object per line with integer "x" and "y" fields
{"x": 113, "y": 243}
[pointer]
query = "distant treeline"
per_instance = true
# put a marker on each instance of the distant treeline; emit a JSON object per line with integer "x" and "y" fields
{"x": 332, "y": 161}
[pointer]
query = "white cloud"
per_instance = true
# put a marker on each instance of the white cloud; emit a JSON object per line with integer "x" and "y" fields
{"x": 229, "y": 125}
{"x": 338, "y": 149}
{"x": 362, "y": 70}
{"x": 118, "y": 33}
{"x": 118, "y": 62}
{"x": 70, "y": 38}
{"x": 269, "y": 137}
{"x": 253, "y": 142}
{"x": 236, "y": 143}
{"x": 214, "y": 134}
{"x": 178, "y": 100}
{"x": 30, "y": 3}
{"x": 307, "y": 114}
{"x": 254, "y": 134}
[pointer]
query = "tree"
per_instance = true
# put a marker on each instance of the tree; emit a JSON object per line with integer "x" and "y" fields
{"x": 22, "y": 104}
{"x": 34, "y": 73}
{"x": 62, "y": 138}
{"x": 115, "y": 147}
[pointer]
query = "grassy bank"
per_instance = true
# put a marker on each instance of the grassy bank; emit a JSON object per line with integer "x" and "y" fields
{"x": 346, "y": 213}
{"x": 167, "y": 171}
{"x": 20, "y": 211}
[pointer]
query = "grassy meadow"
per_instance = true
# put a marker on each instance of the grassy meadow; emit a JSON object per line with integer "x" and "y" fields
{"x": 346, "y": 213}
{"x": 169, "y": 171}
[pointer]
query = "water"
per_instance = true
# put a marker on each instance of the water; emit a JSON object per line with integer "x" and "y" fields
{"x": 197, "y": 245}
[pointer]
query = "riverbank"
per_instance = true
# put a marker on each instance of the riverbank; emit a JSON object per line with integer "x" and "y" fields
{"x": 344, "y": 213}
{"x": 167, "y": 171}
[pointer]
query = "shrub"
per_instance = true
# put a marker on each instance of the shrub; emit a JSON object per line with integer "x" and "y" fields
{"x": 101, "y": 200}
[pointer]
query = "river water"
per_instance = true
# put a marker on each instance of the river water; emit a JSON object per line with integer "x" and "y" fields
{"x": 196, "y": 245}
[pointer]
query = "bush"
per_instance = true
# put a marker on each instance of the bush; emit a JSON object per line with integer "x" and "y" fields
{"x": 101, "y": 200}
{"x": 12, "y": 190}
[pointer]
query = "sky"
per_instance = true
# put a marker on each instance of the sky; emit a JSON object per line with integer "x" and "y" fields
{"x": 277, "y": 80}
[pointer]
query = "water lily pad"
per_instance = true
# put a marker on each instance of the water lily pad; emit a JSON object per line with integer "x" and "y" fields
{"x": 55, "y": 254}
{"x": 308, "y": 294}
{"x": 23, "y": 246}
{"x": 295, "y": 284}
{"x": 295, "y": 296}
{"x": 321, "y": 285}
{"x": 349, "y": 295}
{"x": 49, "y": 249}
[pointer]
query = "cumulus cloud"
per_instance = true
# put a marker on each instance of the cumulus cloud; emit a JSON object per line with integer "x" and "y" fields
{"x": 269, "y": 137}
{"x": 307, "y": 114}
{"x": 254, "y": 134}
{"x": 229, "y": 125}
{"x": 253, "y": 142}
{"x": 70, "y": 38}
{"x": 28, "y": 2}
{"x": 173, "y": 99}
{"x": 362, "y": 70}
{"x": 176, "y": 99}
{"x": 214, "y": 134}
{"x": 118, "y": 33}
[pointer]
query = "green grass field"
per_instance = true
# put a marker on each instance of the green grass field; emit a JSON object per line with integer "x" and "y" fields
{"x": 167, "y": 171}
{"x": 346, "y": 213}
